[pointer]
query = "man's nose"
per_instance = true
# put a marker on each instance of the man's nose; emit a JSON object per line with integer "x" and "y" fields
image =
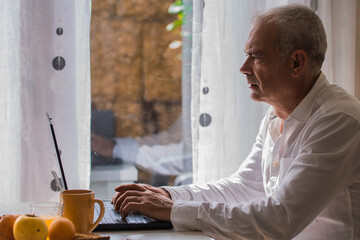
{"x": 246, "y": 67}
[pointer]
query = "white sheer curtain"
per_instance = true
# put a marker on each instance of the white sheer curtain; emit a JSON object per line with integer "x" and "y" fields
{"x": 35, "y": 80}
{"x": 225, "y": 120}
{"x": 342, "y": 62}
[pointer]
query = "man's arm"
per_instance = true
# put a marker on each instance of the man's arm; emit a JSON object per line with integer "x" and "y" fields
{"x": 244, "y": 185}
{"x": 326, "y": 166}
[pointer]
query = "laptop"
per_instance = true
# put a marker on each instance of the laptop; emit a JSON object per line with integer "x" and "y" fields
{"x": 112, "y": 220}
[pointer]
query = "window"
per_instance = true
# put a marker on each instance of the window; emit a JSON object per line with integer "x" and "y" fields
{"x": 135, "y": 76}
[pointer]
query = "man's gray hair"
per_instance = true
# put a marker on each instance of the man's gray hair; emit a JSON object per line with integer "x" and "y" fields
{"x": 298, "y": 28}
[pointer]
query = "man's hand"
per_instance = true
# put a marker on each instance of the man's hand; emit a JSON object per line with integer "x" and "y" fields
{"x": 102, "y": 146}
{"x": 145, "y": 199}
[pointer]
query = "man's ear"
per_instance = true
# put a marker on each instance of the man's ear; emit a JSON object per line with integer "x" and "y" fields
{"x": 299, "y": 61}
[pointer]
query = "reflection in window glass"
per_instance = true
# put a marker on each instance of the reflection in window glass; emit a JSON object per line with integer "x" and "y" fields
{"x": 136, "y": 86}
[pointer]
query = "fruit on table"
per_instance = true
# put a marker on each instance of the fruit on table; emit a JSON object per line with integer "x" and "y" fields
{"x": 30, "y": 227}
{"x": 61, "y": 229}
{"x": 6, "y": 226}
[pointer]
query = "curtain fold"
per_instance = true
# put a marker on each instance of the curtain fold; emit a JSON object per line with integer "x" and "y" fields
{"x": 186, "y": 78}
{"x": 9, "y": 99}
{"x": 341, "y": 21}
{"x": 44, "y": 67}
{"x": 198, "y": 7}
{"x": 224, "y": 118}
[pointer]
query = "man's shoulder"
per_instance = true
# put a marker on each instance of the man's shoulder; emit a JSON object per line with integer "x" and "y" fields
{"x": 336, "y": 100}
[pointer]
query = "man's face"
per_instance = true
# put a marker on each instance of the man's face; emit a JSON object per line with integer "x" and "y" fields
{"x": 267, "y": 73}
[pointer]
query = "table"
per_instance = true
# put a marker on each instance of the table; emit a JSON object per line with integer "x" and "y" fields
{"x": 155, "y": 235}
{"x": 22, "y": 208}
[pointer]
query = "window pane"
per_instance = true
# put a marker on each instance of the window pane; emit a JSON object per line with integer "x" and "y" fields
{"x": 136, "y": 77}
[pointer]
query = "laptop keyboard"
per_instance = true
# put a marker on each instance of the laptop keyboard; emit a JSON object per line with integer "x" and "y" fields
{"x": 113, "y": 217}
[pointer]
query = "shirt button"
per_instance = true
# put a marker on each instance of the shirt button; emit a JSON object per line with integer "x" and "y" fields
{"x": 276, "y": 164}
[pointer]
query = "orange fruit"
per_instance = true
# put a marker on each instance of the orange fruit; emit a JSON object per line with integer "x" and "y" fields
{"x": 61, "y": 229}
{"x": 6, "y": 226}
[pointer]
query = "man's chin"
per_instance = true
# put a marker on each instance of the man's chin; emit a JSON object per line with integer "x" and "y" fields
{"x": 255, "y": 97}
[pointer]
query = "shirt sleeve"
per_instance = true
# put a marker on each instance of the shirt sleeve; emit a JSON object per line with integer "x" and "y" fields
{"x": 327, "y": 164}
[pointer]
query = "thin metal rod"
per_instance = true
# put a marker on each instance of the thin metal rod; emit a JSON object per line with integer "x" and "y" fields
{"x": 57, "y": 152}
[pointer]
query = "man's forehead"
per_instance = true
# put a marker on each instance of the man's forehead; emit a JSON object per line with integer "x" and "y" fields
{"x": 260, "y": 36}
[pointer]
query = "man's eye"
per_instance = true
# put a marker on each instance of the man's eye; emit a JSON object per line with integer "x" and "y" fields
{"x": 252, "y": 56}
{"x": 257, "y": 58}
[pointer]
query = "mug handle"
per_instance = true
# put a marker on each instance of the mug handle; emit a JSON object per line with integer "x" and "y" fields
{"x": 102, "y": 212}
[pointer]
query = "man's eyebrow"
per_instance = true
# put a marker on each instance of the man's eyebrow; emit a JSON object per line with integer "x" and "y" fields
{"x": 254, "y": 52}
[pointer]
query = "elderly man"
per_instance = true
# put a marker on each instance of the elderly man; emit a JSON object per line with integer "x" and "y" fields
{"x": 302, "y": 177}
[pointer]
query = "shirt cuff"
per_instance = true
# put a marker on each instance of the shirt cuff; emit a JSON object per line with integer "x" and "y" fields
{"x": 184, "y": 215}
{"x": 179, "y": 193}
{"x": 126, "y": 149}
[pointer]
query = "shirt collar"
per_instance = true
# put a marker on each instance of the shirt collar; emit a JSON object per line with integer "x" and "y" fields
{"x": 305, "y": 109}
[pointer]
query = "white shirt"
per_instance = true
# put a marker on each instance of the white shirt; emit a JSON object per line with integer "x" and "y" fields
{"x": 301, "y": 184}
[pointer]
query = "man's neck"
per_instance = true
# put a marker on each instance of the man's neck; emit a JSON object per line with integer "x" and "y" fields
{"x": 289, "y": 103}
{"x": 284, "y": 111}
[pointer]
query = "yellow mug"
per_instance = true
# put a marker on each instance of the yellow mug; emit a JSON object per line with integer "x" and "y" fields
{"x": 78, "y": 207}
